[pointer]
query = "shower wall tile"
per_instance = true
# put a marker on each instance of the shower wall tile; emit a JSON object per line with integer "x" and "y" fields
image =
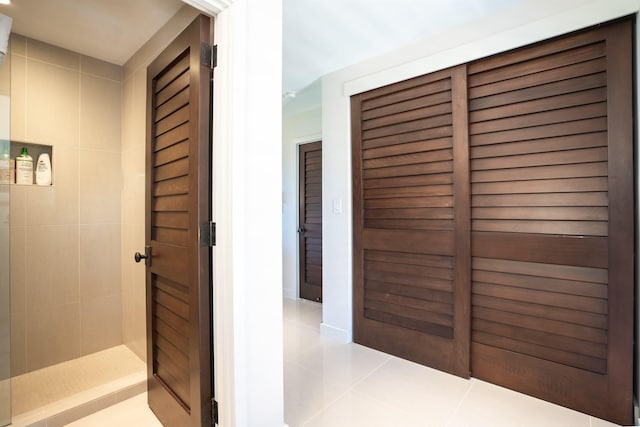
{"x": 52, "y": 265}
{"x": 100, "y": 272}
{"x": 53, "y": 55}
{"x": 17, "y": 44}
{"x": 57, "y": 204}
{"x": 18, "y": 97}
{"x": 135, "y": 107}
{"x": 66, "y": 251}
{"x": 18, "y": 214}
{"x": 53, "y": 335}
{"x": 133, "y": 291}
{"x": 96, "y": 67}
{"x": 100, "y": 323}
{"x": 100, "y": 186}
{"x": 100, "y": 121}
{"x": 5, "y": 76}
{"x": 53, "y": 110}
{"x": 18, "y": 344}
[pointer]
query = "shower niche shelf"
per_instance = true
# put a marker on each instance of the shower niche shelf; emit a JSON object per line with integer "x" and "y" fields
{"x": 34, "y": 151}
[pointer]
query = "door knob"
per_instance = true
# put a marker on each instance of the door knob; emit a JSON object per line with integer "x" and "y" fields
{"x": 301, "y": 229}
{"x": 146, "y": 256}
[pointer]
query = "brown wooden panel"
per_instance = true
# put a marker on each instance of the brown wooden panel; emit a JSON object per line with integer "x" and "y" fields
{"x": 581, "y": 170}
{"x": 564, "y": 213}
{"x": 573, "y": 228}
{"x": 416, "y": 125}
{"x": 171, "y": 154}
{"x": 521, "y": 67}
{"x": 547, "y": 131}
{"x": 171, "y": 219}
{"x": 420, "y": 135}
{"x": 174, "y": 265}
{"x": 172, "y": 288}
{"x": 543, "y": 118}
{"x": 409, "y": 202}
{"x": 177, "y": 340}
{"x": 174, "y": 136}
{"x": 539, "y": 105}
{"x": 171, "y": 170}
{"x": 412, "y": 90}
{"x": 172, "y": 89}
{"x": 554, "y": 355}
{"x": 408, "y": 159}
{"x": 404, "y": 106}
{"x": 171, "y": 303}
{"x": 542, "y": 199}
{"x": 569, "y": 272}
{"x": 407, "y": 116}
{"x": 586, "y": 155}
{"x": 175, "y": 71}
{"x": 408, "y": 312}
{"x": 410, "y": 291}
{"x": 413, "y": 192}
{"x": 398, "y": 171}
{"x": 410, "y": 147}
{"x": 542, "y": 186}
{"x": 172, "y": 187}
{"x": 541, "y": 338}
{"x": 427, "y": 305}
{"x": 177, "y": 102}
{"x": 171, "y": 236}
{"x": 171, "y": 203}
{"x": 173, "y": 120}
{"x": 568, "y": 315}
{"x": 408, "y": 181}
{"x": 546, "y": 71}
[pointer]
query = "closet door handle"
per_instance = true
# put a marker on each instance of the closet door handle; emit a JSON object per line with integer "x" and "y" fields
{"x": 301, "y": 229}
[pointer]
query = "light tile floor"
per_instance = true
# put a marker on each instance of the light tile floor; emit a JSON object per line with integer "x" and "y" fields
{"x": 329, "y": 384}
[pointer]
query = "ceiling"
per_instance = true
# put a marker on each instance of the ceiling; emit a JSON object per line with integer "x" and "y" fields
{"x": 320, "y": 36}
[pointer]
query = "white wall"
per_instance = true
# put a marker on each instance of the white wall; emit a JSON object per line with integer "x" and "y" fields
{"x": 247, "y": 209}
{"x": 301, "y": 124}
{"x": 518, "y": 26}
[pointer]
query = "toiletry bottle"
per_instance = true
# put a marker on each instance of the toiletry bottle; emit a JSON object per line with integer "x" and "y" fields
{"x": 43, "y": 169}
{"x": 24, "y": 168}
{"x": 5, "y": 163}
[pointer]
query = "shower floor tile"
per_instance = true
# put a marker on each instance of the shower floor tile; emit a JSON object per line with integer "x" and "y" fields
{"x": 49, "y": 391}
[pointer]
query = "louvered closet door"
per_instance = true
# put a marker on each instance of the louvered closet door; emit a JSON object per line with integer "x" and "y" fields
{"x": 552, "y": 220}
{"x": 411, "y": 214}
{"x": 179, "y": 351}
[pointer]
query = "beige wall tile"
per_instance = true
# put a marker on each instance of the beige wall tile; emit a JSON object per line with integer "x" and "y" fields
{"x": 18, "y": 206}
{"x": 100, "y": 113}
{"x": 17, "y": 44}
{"x": 18, "y": 269}
{"x": 133, "y": 292}
{"x": 99, "y": 187}
{"x": 52, "y": 104}
{"x": 57, "y": 204}
{"x": 52, "y": 54}
{"x": 100, "y": 272}
{"x": 18, "y": 344}
{"x": 18, "y": 97}
{"x": 5, "y": 76}
{"x": 18, "y": 300}
{"x": 100, "y": 68}
{"x": 101, "y": 323}
{"x": 133, "y": 188}
{"x": 135, "y": 110}
{"x": 53, "y": 335}
{"x": 52, "y": 265}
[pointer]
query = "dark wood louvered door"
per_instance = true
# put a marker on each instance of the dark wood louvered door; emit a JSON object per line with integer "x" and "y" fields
{"x": 179, "y": 345}
{"x": 540, "y": 141}
{"x": 310, "y": 221}
{"x": 552, "y": 220}
{"x": 411, "y": 216}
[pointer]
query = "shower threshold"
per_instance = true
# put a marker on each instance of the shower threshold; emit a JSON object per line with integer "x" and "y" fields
{"x": 68, "y": 391}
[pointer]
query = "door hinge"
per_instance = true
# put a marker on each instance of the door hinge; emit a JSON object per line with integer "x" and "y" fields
{"x": 208, "y": 233}
{"x": 214, "y": 412}
{"x": 209, "y": 55}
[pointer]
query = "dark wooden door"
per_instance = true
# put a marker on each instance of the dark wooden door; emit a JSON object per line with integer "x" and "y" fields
{"x": 179, "y": 342}
{"x": 310, "y": 221}
{"x": 411, "y": 220}
{"x": 552, "y": 220}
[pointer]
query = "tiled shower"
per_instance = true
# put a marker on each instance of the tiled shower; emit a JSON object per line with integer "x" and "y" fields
{"x": 75, "y": 290}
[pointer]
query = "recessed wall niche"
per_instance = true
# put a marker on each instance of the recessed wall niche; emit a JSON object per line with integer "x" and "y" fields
{"x": 34, "y": 151}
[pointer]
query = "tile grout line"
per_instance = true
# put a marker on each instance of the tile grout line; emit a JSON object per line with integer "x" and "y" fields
{"x": 459, "y": 405}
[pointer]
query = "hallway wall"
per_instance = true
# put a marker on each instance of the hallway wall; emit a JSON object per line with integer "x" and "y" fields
{"x": 65, "y": 239}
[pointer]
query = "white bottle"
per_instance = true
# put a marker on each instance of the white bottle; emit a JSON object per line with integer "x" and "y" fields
{"x": 24, "y": 168}
{"x": 43, "y": 169}
{"x": 5, "y": 164}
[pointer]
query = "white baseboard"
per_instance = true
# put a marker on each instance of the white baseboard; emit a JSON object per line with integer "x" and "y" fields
{"x": 334, "y": 333}
{"x": 289, "y": 294}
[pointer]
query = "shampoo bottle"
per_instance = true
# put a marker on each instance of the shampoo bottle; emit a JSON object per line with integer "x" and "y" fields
{"x": 43, "y": 169}
{"x": 24, "y": 168}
